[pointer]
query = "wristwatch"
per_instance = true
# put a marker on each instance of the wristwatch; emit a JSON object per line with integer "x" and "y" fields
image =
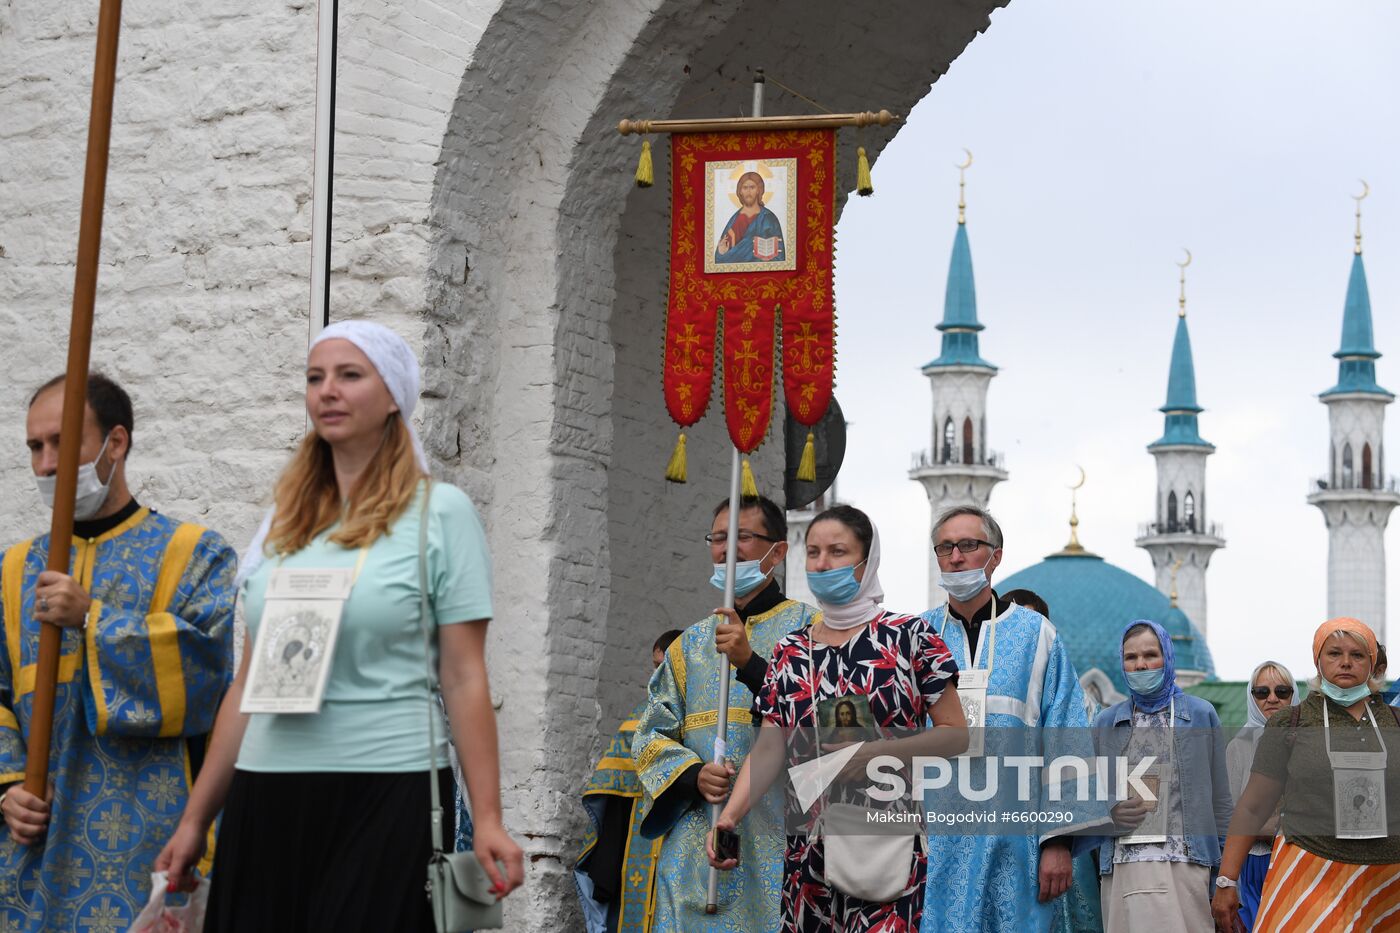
{"x": 1222, "y": 882}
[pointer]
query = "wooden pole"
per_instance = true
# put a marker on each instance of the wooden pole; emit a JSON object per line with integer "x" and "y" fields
{"x": 104, "y": 80}
{"x": 818, "y": 121}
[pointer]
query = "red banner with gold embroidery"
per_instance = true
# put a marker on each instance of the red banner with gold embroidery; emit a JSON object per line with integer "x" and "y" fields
{"x": 751, "y": 245}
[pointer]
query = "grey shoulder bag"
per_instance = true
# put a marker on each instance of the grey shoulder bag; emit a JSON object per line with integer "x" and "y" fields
{"x": 457, "y": 884}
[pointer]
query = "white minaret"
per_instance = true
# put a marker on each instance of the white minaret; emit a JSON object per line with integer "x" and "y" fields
{"x": 1355, "y": 495}
{"x": 1181, "y": 538}
{"x": 958, "y": 469}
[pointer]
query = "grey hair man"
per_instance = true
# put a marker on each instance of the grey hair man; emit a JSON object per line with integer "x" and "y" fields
{"x": 1014, "y": 667}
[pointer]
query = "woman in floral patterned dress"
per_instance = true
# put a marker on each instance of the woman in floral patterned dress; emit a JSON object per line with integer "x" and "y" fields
{"x": 902, "y": 672}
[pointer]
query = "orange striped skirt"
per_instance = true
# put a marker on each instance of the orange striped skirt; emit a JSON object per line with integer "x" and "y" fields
{"x": 1307, "y": 892}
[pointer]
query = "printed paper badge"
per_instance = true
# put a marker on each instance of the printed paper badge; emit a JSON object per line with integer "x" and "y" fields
{"x": 292, "y": 656}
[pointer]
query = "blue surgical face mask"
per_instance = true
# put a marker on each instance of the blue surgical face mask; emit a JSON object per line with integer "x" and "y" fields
{"x": 1345, "y": 695}
{"x": 1145, "y": 683}
{"x": 835, "y": 587}
{"x": 963, "y": 585}
{"x": 749, "y": 575}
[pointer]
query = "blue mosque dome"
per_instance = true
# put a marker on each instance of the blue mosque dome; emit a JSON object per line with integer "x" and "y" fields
{"x": 1091, "y": 601}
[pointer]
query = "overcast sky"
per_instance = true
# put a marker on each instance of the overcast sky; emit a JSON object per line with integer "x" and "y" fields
{"x": 1107, "y": 136}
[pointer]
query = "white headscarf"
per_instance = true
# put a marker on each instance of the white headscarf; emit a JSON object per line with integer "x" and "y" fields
{"x": 868, "y": 598}
{"x": 397, "y": 365}
{"x": 1239, "y": 755}
{"x": 1255, "y": 719}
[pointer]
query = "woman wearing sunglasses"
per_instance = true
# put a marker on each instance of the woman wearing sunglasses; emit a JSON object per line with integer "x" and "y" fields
{"x": 1271, "y": 689}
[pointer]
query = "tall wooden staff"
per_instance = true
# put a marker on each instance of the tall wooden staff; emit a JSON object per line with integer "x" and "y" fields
{"x": 104, "y": 80}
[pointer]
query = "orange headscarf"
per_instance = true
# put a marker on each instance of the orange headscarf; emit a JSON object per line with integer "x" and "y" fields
{"x": 1343, "y": 624}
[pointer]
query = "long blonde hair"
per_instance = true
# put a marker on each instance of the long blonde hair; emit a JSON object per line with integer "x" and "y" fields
{"x": 308, "y": 500}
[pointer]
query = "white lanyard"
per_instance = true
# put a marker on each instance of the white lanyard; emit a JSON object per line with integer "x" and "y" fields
{"x": 991, "y": 625}
{"x": 1327, "y": 737}
{"x": 354, "y": 573}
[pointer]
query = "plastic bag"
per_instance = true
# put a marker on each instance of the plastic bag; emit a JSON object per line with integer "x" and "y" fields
{"x": 156, "y": 917}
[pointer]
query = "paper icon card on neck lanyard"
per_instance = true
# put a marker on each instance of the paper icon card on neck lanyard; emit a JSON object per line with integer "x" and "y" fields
{"x": 973, "y": 683}
{"x": 1155, "y": 780}
{"x": 1358, "y": 786}
{"x": 291, "y": 658}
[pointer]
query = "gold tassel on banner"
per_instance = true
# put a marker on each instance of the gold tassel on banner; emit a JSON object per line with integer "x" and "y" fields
{"x": 807, "y": 466}
{"x": 645, "y": 176}
{"x": 864, "y": 187}
{"x": 748, "y": 489}
{"x": 676, "y": 470}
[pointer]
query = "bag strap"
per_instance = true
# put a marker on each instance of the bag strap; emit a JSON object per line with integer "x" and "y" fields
{"x": 1294, "y": 714}
{"x": 426, "y": 620}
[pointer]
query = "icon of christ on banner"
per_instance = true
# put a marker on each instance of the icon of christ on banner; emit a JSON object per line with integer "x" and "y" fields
{"x": 762, "y": 197}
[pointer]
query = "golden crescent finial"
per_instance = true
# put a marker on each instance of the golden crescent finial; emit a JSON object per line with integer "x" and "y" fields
{"x": 1082, "y": 478}
{"x": 1181, "y": 298}
{"x": 962, "y": 185}
{"x": 1365, "y": 190}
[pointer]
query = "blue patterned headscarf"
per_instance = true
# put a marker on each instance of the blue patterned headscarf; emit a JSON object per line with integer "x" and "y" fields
{"x": 1154, "y": 702}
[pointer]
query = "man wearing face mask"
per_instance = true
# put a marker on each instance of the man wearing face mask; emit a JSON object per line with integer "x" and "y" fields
{"x": 675, "y": 743}
{"x": 1014, "y": 674}
{"x": 146, "y": 653}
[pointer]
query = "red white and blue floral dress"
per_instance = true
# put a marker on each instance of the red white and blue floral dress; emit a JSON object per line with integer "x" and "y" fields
{"x": 901, "y": 666}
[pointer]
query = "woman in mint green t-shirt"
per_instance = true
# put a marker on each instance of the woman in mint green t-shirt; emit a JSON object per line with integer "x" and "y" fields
{"x": 325, "y": 814}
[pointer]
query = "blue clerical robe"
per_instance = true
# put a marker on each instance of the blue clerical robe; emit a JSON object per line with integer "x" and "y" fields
{"x": 989, "y": 883}
{"x": 615, "y": 782}
{"x": 677, "y": 730}
{"x": 765, "y": 225}
{"x": 138, "y": 685}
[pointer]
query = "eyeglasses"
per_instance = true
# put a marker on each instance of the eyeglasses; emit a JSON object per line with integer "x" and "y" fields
{"x": 1262, "y": 693}
{"x": 720, "y": 537}
{"x": 966, "y": 545}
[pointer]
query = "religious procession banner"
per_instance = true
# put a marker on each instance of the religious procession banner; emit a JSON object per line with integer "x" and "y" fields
{"x": 752, "y": 245}
{"x": 753, "y": 209}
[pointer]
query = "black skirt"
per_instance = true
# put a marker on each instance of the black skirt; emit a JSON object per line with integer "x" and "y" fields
{"x": 344, "y": 852}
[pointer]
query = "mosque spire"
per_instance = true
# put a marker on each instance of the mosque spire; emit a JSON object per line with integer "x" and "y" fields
{"x": 1356, "y": 367}
{"x": 960, "y": 325}
{"x": 1180, "y": 538}
{"x": 1181, "y": 407}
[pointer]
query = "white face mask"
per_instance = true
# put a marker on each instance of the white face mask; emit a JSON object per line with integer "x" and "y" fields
{"x": 964, "y": 585}
{"x": 92, "y": 492}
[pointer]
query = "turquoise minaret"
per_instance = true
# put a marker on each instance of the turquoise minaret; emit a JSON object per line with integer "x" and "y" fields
{"x": 958, "y": 469}
{"x": 1355, "y": 495}
{"x": 1180, "y": 538}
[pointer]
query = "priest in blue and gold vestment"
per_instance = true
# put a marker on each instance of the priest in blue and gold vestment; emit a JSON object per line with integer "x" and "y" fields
{"x": 146, "y": 654}
{"x": 615, "y": 870}
{"x": 676, "y": 731}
